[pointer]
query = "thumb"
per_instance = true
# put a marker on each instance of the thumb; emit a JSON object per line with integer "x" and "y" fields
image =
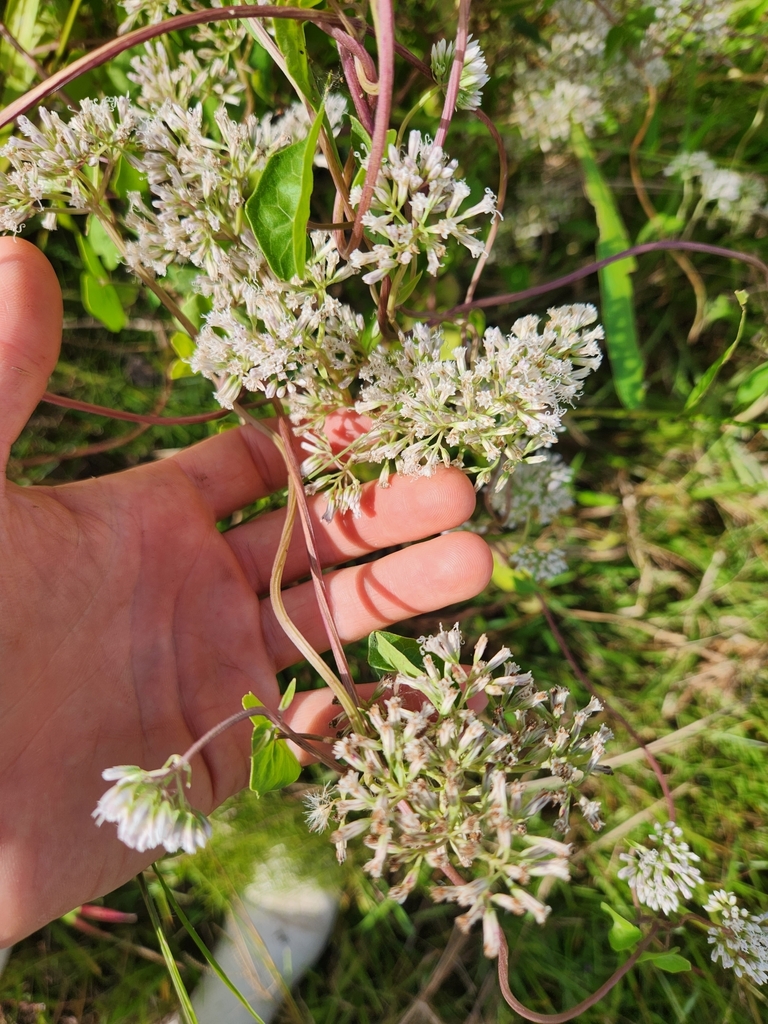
{"x": 30, "y": 334}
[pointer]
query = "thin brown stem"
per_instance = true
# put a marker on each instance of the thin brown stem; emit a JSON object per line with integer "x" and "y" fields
{"x": 38, "y": 69}
{"x": 316, "y": 570}
{"x": 694, "y": 277}
{"x": 588, "y": 685}
{"x": 276, "y": 719}
{"x": 150, "y": 419}
{"x": 454, "y": 79}
{"x": 500, "y": 200}
{"x": 587, "y": 271}
{"x": 585, "y": 1004}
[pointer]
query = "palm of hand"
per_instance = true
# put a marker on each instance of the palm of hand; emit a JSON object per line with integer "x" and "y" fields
{"x": 129, "y": 625}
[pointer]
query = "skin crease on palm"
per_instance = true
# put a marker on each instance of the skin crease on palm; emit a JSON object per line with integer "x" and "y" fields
{"x": 129, "y": 625}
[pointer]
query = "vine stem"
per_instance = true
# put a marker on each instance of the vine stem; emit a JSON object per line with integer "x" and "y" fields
{"x": 454, "y": 79}
{"x": 587, "y": 271}
{"x": 316, "y": 570}
{"x": 587, "y": 683}
{"x": 277, "y": 720}
{"x": 118, "y": 45}
{"x": 348, "y": 703}
{"x": 384, "y": 24}
{"x": 585, "y": 1004}
{"x": 150, "y": 419}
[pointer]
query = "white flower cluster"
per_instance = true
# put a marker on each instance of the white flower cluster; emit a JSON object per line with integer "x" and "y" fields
{"x": 416, "y": 208}
{"x": 432, "y": 781}
{"x": 724, "y": 194}
{"x": 740, "y": 939}
{"x": 500, "y": 404}
{"x": 51, "y": 161}
{"x": 664, "y": 873}
{"x": 571, "y": 80}
{"x": 285, "y": 340}
{"x": 474, "y": 71}
{"x": 541, "y": 564}
{"x": 150, "y": 809}
{"x": 537, "y": 491}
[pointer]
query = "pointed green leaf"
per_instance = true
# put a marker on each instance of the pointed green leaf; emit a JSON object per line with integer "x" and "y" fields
{"x": 273, "y": 764}
{"x": 91, "y": 262}
{"x": 182, "y": 344}
{"x": 388, "y": 652}
{"x": 616, "y": 291}
{"x": 708, "y": 378}
{"x": 278, "y": 209}
{"x": 754, "y": 387}
{"x": 102, "y": 244}
{"x": 623, "y": 934}
{"x": 180, "y": 368}
{"x": 102, "y": 302}
{"x": 291, "y": 41}
{"x": 671, "y": 962}
{"x": 287, "y": 698}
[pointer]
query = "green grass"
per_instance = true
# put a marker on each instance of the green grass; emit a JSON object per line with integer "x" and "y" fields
{"x": 680, "y": 542}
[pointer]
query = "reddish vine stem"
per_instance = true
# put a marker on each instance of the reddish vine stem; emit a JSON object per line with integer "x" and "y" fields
{"x": 385, "y": 40}
{"x": 276, "y": 719}
{"x": 150, "y": 419}
{"x": 587, "y": 271}
{"x": 356, "y": 90}
{"x": 454, "y": 79}
{"x": 118, "y": 45}
{"x": 586, "y": 682}
{"x": 585, "y": 1004}
{"x": 315, "y": 567}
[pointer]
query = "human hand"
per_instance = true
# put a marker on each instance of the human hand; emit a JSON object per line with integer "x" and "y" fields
{"x": 129, "y": 625}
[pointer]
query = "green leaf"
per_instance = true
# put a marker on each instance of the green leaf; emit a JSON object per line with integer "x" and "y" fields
{"x": 616, "y": 291}
{"x": 101, "y": 244}
{"x": 405, "y": 291}
{"x": 273, "y": 764}
{"x": 210, "y": 958}
{"x": 102, "y": 302}
{"x": 127, "y": 179}
{"x": 672, "y": 962}
{"x": 388, "y": 652}
{"x": 287, "y": 698}
{"x": 291, "y": 41}
{"x": 754, "y": 387}
{"x": 359, "y": 134}
{"x": 623, "y": 934}
{"x": 180, "y": 368}
{"x": 183, "y": 996}
{"x": 278, "y": 209}
{"x": 91, "y": 261}
{"x": 708, "y": 377}
{"x": 182, "y": 344}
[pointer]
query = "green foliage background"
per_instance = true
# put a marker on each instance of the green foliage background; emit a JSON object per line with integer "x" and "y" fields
{"x": 670, "y": 525}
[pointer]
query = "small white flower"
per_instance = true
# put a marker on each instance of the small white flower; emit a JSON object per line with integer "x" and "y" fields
{"x": 660, "y": 876}
{"x": 150, "y": 810}
{"x": 474, "y": 72}
{"x": 741, "y": 938}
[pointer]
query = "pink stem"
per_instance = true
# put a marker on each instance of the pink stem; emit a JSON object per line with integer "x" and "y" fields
{"x": 454, "y": 80}
{"x": 316, "y": 570}
{"x": 585, "y": 1004}
{"x": 385, "y": 39}
{"x": 142, "y": 35}
{"x": 133, "y": 417}
{"x": 357, "y": 92}
{"x": 591, "y": 268}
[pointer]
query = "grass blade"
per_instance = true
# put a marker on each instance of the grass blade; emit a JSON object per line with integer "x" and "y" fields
{"x": 209, "y": 957}
{"x": 616, "y": 290}
{"x": 183, "y": 996}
